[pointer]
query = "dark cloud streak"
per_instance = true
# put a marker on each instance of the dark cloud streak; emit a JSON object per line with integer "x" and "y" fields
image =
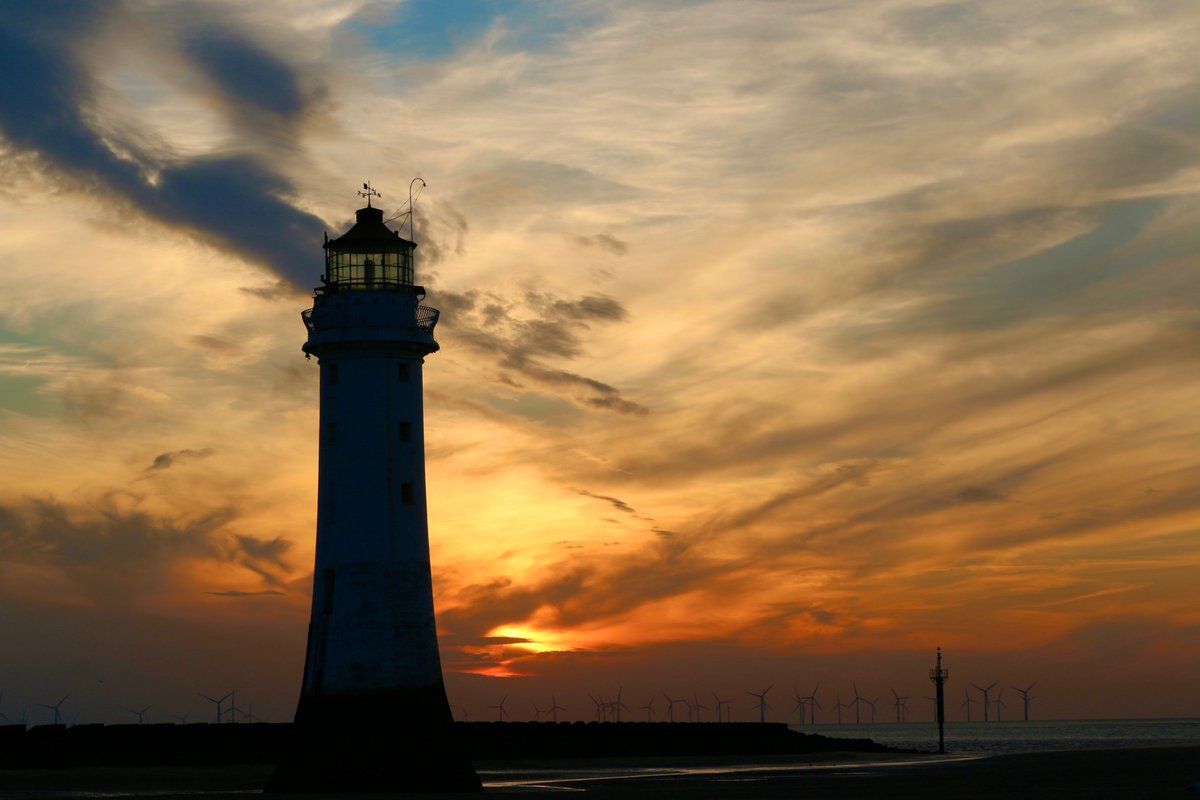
{"x": 166, "y": 460}
{"x": 554, "y": 330}
{"x": 234, "y": 201}
{"x": 245, "y": 72}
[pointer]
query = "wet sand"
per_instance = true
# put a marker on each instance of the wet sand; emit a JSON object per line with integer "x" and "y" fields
{"x": 1146, "y": 773}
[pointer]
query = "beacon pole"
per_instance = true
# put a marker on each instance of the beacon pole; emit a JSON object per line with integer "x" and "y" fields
{"x": 939, "y": 677}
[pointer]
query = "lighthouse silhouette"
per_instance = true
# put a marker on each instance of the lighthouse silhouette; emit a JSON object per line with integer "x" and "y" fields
{"x": 373, "y": 714}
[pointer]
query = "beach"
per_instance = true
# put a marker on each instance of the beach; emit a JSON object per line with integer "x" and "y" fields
{"x": 1137, "y": 772}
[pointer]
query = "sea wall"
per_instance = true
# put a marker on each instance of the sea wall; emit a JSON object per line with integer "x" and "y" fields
{"x": 51, "y": 746}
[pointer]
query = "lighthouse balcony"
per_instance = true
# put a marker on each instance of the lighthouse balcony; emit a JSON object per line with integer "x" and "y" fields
{"x": 370, "y": 316}
{"x": 425, "y": 319}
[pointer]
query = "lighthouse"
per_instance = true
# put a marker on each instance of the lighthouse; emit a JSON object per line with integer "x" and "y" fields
{"x": 373, "y": 714}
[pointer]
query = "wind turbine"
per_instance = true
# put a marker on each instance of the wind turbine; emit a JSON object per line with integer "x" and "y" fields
{"x": 601, "y": 707}
{"x": 233, "y": 709}
{"x": 985, "y": 691}
{"x": 999, "y": 701}
{"x": 649, "y": 709}
{"x": 671, "y": 701}
{"x": 932, "y": 700}
{"x": 967, "y": 703}
{"x": 1025, "y": 698}
{"x": 216, "y": 702}
{"x": 184, "y": 718}
{"x": 900, "y": 707}
{"x": 840, "y": 705}
{"x": 726, "y": 703}
{"x": 857, "y": 705}
{"x": 56, "y": 708}
{"x": 698, "y": 706}
{"x": 500, "y": 707}
{"x": 538, "y": 712}
{"x": 141, "y": 715}
{"x": 871, "y": 703}
{"x": 801, "y": 704}
{"x": 555, "y": 708}
{"x": 812, "y": 709}
{"x": 762, "y": 702}
{"x": 618, "y": 705}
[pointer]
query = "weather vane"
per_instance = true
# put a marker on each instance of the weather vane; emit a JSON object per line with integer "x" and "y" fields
{"x": 368, "y": 193}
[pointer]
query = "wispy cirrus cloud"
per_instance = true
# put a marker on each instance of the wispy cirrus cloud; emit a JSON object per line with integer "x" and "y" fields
{"x": 893, "y": 311}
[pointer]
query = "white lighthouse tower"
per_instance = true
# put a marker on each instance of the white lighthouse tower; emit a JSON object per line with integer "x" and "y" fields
{"x": 373, "y": 714}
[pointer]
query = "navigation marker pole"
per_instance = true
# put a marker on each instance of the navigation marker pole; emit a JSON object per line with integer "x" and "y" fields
{"x": 939, "y": 676}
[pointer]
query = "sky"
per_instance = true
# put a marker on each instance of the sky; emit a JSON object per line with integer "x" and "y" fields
{"x": 783, "y": 342}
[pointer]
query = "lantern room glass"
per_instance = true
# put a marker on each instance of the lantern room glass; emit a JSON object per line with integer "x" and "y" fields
{"x": 369, "y": 268}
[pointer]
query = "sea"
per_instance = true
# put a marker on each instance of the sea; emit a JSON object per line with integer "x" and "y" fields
{"x": 1001, "y": 737}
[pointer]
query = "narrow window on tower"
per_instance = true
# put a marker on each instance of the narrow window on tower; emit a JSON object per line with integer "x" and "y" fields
{"x": 406, "y": 494}
{"x": 331, "y": 374}
{"x": 327, "y": 580}
{"x": 402, "y": 372}
{"x": 406, "y": 431}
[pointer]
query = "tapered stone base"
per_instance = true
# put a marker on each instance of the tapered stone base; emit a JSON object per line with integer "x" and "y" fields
{"x": 398, "y": 741}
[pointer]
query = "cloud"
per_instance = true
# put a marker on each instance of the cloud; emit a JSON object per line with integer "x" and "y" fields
{"x": 167, "y": 460}
{"x": 248, "y": 76}
{"x": 912, "y": 300}
{"x": 233, "y": 201}
{"x": 112, "y": 551}
{"x": 606, "y": 242}
{"x": 508, "y": 184}
{"x": 551, "y": 328}
{"x": 978, "y": 494}
{"x": 235, "y": 593}
{"x": 620, "y": 505}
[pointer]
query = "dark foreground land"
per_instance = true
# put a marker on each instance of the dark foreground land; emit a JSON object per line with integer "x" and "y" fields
{"x": 1145, "y": 773}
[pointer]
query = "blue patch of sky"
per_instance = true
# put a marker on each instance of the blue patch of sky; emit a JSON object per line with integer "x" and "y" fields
{"x": 1060, "y": 276}
{"x": 22, "y": 393}
{"x": 1067, "y": 279}
{"x": 42, "y": 335}
{"x": 1081, "y": 276}
{"x": 11, "y": 337}
{"x": 429, "y": 30}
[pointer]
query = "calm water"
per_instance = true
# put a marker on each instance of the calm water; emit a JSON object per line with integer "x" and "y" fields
{"x": 1020, "y": 737}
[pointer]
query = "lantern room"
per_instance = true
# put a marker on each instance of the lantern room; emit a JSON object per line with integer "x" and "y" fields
{"x": 369, "y": 256}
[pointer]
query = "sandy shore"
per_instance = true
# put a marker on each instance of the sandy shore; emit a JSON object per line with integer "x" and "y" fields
{"x": 1144, "y": 773}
